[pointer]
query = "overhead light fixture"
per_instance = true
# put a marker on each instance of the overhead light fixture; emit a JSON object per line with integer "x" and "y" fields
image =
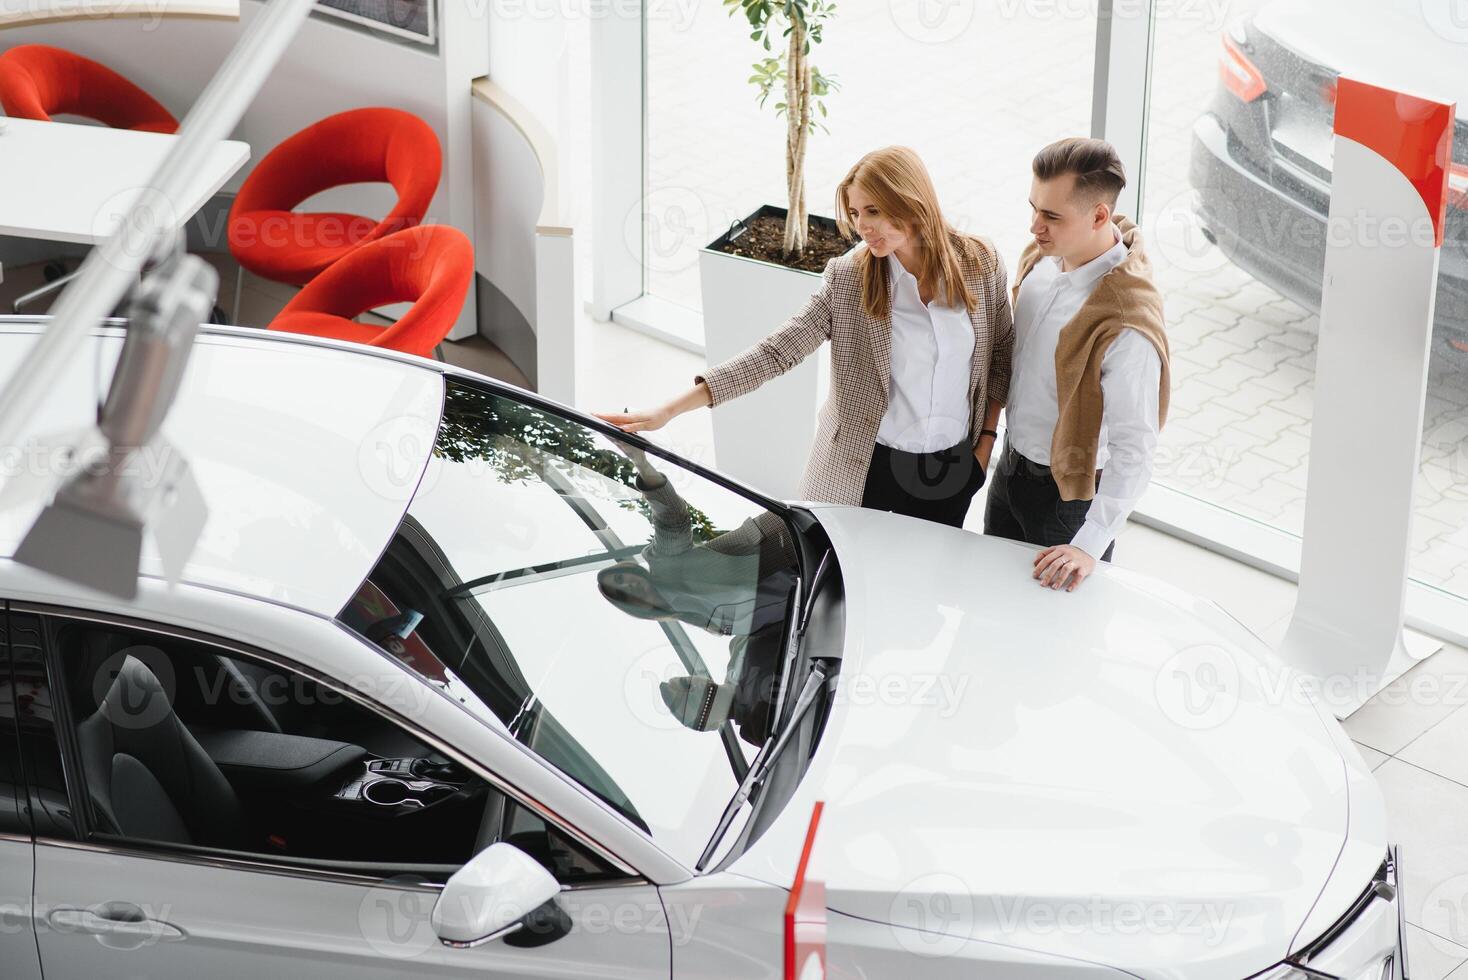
{"x": 124, "y": 477}
{"x": 92, "y": 529}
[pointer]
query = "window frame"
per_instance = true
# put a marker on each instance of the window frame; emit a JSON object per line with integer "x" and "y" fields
{"x": 23, "y": 826}
{"x": 327, "y": 870}
{"x": 502, "y": 390}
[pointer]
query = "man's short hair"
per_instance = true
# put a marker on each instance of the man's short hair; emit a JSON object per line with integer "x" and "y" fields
{"x": 1094, "y": 163}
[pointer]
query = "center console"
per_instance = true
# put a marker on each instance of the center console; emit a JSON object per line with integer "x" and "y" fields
{"x": 402, "y": 785}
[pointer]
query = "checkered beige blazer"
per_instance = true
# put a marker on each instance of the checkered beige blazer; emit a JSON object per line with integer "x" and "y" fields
{"x": 861, "y": 368}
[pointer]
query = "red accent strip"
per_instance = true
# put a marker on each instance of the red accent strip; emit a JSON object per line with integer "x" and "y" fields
{"x": 805, "y": 910}
{"x": 1412, "y": 133}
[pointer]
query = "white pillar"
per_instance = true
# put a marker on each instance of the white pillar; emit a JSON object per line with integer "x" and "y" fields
{"x": 1122, "y": 90}
{"x": 1388, "y": 196}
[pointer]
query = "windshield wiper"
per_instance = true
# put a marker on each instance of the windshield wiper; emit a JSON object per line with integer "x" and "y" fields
{"x": 801, "y": 604}
{"x": 816, "y": 582}
{"x": 768, "y": 756}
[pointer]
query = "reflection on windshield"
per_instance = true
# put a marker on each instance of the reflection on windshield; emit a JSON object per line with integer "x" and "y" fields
{"x": 620, "y": 618}
{"x": 734, "y": 584}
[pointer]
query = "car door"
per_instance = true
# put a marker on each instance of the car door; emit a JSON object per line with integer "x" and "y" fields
{"x": 17, "y": 852}
{"x": 118, "y": 907}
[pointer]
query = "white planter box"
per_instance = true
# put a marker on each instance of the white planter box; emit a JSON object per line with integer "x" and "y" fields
{"x": 762, "y": 439}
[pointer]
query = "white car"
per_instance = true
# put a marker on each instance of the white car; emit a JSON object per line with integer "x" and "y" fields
{"x": 459, "y": 682}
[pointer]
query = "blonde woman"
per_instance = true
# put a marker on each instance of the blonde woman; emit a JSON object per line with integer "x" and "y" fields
{"x": 919, "y": 323}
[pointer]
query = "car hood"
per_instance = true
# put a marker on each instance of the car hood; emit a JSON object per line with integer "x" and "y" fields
{"x": 1122, "y": 774}
{"x": 1397, "y": 43}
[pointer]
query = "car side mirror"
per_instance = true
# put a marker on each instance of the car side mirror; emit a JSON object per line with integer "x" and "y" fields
{"x": 501, "y": 893}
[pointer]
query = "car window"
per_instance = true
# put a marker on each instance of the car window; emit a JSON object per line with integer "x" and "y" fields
{"x": 185, "y": 743}
{"x": 12, "y": 785}
{"x": 36, "y": 728}
{"x": 617, "y": 612}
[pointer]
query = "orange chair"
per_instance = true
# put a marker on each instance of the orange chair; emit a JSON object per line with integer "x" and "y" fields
{"x": 268, "y": 236}
{"x": 38, "y": 81}
{"x": 431, "y": 266}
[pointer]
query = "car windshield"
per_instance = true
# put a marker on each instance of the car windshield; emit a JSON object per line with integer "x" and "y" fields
{"x": 620, "y": 614}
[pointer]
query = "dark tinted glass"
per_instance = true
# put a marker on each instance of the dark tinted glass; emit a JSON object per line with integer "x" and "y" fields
{"x": 37, "y": 722}
{"x": 12, "y": 785}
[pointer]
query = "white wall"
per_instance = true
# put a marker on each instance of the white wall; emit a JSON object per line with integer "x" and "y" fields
{"x": 532, "y": 46}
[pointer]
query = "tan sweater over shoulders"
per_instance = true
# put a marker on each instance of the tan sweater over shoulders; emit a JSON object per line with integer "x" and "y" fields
{"x": 1124, "y": 298}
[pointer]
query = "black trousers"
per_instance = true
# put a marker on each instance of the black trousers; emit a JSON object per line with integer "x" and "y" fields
{"x": 934, "y": 486}
{"x": 1024, "y": 504}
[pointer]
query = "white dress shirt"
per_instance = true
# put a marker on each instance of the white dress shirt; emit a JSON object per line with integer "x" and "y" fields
{"x": 932, "y": 353}
{"x": 1131, "y": 374}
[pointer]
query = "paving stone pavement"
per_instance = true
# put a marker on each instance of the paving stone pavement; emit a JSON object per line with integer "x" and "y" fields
{"x": 976, "y": 88}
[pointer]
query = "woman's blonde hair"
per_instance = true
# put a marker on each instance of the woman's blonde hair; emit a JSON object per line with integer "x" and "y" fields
{"x": 896, "y": 180}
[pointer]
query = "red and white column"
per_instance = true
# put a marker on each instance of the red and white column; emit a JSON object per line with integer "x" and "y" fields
{"x": 1389, "y": 193}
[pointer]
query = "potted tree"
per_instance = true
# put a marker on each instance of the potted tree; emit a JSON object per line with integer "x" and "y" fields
{"x": 765, "y": 267}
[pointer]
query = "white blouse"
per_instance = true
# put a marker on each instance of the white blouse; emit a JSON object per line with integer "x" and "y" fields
{"x": 932, "y": 351}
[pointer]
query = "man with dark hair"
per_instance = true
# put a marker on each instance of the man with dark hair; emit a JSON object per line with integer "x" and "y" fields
{"x": 1089, "y": 385}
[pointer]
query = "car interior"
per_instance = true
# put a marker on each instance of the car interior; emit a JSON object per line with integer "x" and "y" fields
{"x": 182, "y": 744}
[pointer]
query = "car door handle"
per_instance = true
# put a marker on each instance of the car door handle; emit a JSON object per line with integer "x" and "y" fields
{"x": 119, "y": 919}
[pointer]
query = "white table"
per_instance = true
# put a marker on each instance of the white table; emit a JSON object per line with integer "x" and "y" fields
{"x": 16, "y": 13}
{"x": 72, "y": 183}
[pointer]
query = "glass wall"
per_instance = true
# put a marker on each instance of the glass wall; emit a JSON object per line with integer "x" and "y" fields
{"x": 1237, "y": 189}
{"x": 1237, "y": 183}
{"x": 976, "y": 88}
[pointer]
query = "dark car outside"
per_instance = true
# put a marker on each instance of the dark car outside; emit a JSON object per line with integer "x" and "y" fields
{"x": 1261, "y": 152}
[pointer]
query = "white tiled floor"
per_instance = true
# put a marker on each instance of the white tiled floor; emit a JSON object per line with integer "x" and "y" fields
{"x": 1414, "y": 733}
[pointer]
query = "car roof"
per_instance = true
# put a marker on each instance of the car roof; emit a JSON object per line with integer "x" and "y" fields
{"x": 307, "y": 453}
